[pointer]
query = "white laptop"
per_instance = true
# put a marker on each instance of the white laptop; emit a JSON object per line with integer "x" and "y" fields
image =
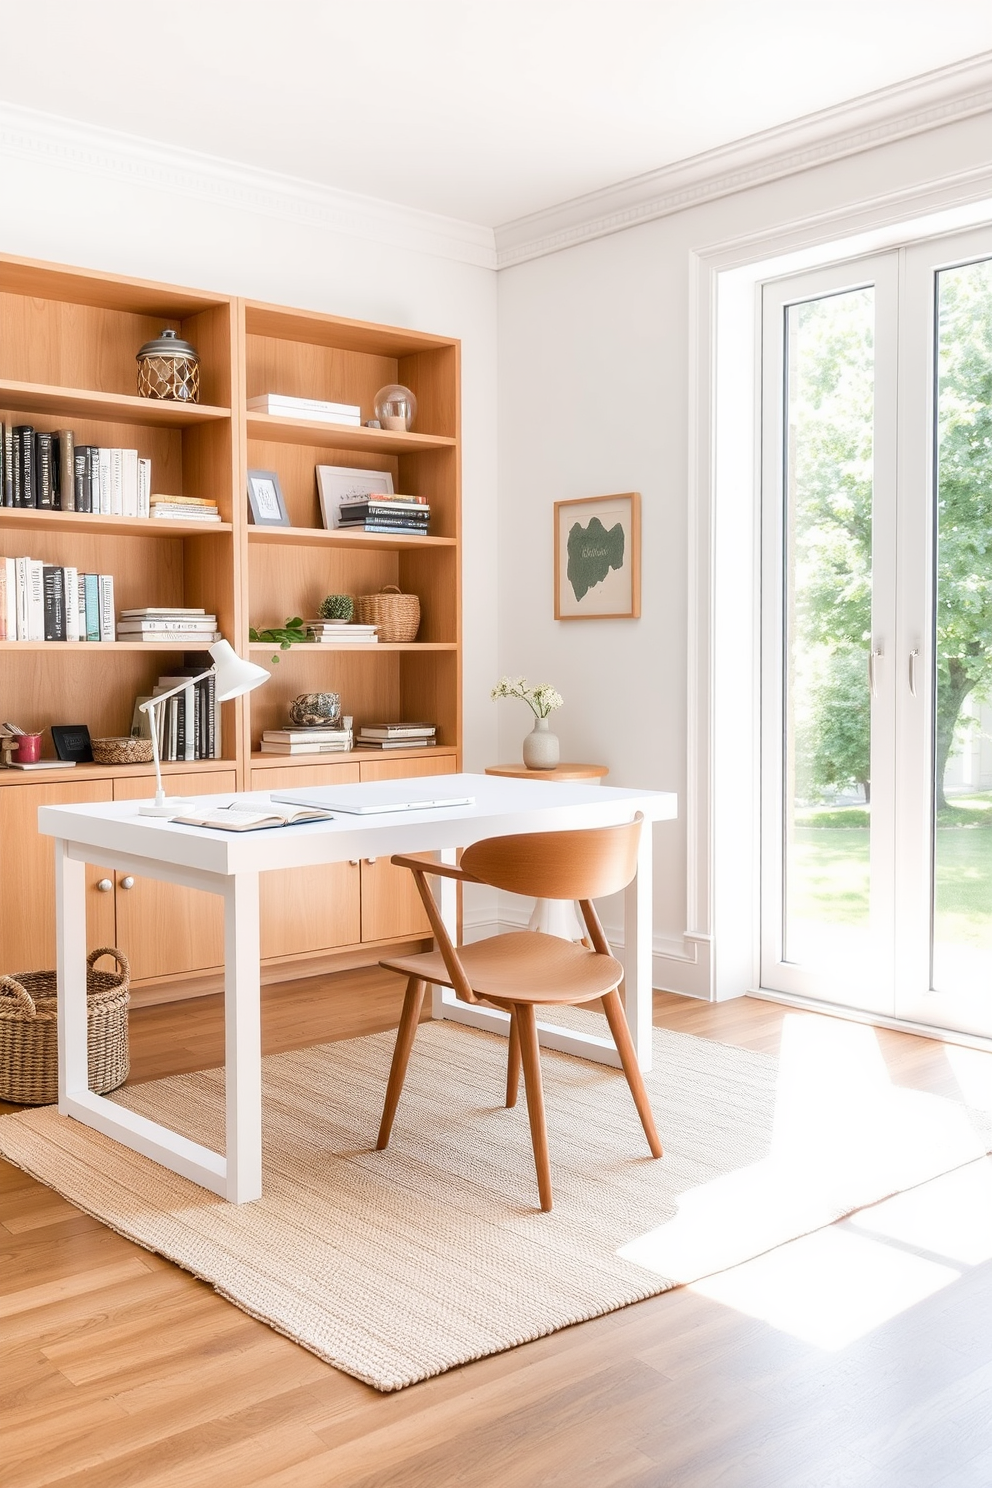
{"x": 372, "y": 798}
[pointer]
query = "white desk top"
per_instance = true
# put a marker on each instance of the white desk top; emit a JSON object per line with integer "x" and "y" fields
{"x": 502, "y": 806}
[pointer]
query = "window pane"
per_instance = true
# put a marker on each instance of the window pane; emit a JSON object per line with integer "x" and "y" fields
{"x": 828, "y": 559}
{"x": 962, "y": 823}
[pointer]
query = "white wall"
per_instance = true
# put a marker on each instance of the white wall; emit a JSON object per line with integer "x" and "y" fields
{"x": 594, "y": 373}
{"x": 114, "y": 220}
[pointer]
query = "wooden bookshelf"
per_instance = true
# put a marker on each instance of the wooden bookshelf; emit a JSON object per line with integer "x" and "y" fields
{"x": 68, "y": 340}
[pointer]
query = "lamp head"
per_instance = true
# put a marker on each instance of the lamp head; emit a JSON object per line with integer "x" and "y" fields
{"x": 234, "y": 676}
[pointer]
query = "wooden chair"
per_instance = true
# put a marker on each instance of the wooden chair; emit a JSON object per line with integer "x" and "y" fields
{"x": 521, "y": 971}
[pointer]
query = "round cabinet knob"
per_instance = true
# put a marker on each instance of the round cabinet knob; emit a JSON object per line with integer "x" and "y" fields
{"x": 354, "y": 862}
{"x": 105, "y": 885}
{"x": 370, "y": 860}
{"x": 128, "y": 882}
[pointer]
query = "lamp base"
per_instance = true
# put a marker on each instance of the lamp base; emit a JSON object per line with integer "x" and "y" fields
{"x": 168, "y": 808}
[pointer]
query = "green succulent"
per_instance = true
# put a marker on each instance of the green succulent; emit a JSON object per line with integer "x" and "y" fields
{"x": 337, "y": 607}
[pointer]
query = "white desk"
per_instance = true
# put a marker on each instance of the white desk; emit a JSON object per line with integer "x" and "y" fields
{"x": 228, "y": 864}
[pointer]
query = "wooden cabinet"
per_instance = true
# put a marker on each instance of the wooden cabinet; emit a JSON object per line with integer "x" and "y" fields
{"x": 68, "y": 340}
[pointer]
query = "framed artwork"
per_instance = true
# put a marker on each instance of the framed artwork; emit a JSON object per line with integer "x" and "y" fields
{"x": 598, "y": 558}
{"x": 72, "y": 742}
{"x": 336, "y": 482}
{"x": 265, "y": 499}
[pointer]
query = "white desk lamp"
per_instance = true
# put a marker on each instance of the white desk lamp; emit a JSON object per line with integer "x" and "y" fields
{"x": 233, "y": 677}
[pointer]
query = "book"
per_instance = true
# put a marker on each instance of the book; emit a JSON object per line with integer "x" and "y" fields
{"x": 7, "y": 431}
{"x": 242, "y": 817}
{"x": 116, "y": 482}
{"x": 64, "y": 465}
{"x": 53, "y": 591}
{"x": 42, "y": 765}
{"x": 151, "y": 611}
{"x": 185, "y": 513}
{"x": 129, "y": 482}
{"x": 361, "y": 743}
{"x": 105, "y": 589}
{"x": 81, "y": 478}
{"x": 306, "y": 408}
{"x": 333, "y": 640}
{"x": 270, "y": 746}
{"x": 4, "y": 636}
{"x": 144, "y": 486}
{"x": 156, "y": 637}
{"x": 167, "y": 622}
{"x": 160, "y": 500}
{"x": 409, "y": 528}
{"x": 43, "y": 482}
{"x": 24, "y": 469}
{"x": 306, "y": 736}
{"x": 91, "y": 589}
{"x": 397, "y": 730}
{"x": 36, "y": 599}
{"x": 70, "y": 600}
{"x": 104, "y": 460}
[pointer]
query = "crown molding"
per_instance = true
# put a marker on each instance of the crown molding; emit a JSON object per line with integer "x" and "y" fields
{"x": 47, "y": 140}
{"x": 959, "y": 91}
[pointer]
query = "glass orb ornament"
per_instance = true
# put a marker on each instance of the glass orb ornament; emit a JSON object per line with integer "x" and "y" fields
{"x": 395, "y": 407}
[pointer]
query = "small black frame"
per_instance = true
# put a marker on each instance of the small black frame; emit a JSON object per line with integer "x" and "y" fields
{"x": 72, "y": 742}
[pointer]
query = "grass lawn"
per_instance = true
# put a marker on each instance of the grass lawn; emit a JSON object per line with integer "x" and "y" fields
{"x": 829, "y": 880}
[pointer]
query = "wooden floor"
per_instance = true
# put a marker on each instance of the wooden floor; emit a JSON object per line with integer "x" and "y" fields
{"x": 856, "y": 1358}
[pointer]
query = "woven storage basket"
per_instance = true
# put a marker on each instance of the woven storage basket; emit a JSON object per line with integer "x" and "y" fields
{"x": 124, "y": 751}
{"x": 29, "y": 1050}
{"x": 396, "y": 615}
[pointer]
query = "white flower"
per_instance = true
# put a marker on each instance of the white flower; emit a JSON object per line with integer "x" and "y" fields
{"x": 542, "y": 699}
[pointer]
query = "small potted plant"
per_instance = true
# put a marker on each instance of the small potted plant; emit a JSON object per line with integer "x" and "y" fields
{"x": 337, "y": 607}
{"x": 540, "y": 745}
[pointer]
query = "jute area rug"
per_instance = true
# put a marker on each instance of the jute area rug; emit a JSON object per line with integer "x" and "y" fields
{"x": 395, "y": 1266}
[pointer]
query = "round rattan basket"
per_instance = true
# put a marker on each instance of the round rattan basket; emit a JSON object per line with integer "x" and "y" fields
{"x": 29, "y": 1047}
{"x": 124, "y": 751}
{"x": 396, "y": 615}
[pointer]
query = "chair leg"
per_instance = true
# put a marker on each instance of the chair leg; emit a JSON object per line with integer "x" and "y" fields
{"x": 616, "y": 1017}
{"x": 405, "y": 1035}
{"x": 513, "y": 1061}
{"x": 525, "y": 1018}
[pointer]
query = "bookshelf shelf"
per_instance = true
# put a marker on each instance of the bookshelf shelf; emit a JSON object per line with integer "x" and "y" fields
{"x": 95, "y": 646}
{"x": 39, "y": 522}
{"x": 438, "y": 752}
{"x": 309, "y": 537}
{"x": 318, "y": 434}
{"x": 347, "y": 646}
{"x": 92, "y": 772}
{"x": 31, "y": 397}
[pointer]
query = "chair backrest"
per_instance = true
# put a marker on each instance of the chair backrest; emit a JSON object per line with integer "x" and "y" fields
{"x": 584, "y": 864}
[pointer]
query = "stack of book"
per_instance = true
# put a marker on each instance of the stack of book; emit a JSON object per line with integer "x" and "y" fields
{"x": 385, "y": 513}
{"x": 50, "y": 471}
{"x": 43, "y": 602}
{"x": 396, "y": 736}
{"x": 188, "y": 724}
{"x": 169, "y": 623}
{"x": 306, "y": 741}
{"x": 329, "y": 633}
{"x": 184, "y": 508}
{"x": 282, "y": 406}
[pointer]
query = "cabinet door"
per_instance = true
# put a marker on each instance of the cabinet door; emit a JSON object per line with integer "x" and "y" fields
{"x": 27, "y": 900}
{"x": 308, "y": 909}
{"x": 163, "y": 928}
{"x": 391, "y": 907}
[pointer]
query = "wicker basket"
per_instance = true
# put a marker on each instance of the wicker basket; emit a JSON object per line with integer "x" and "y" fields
{"x": 396, "y": 615}
{"x": 29, "y": 1050}
{"x": 124, "y": 751}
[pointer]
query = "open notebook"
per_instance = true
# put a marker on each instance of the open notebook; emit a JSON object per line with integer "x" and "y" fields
{"x": 244, "y": 816}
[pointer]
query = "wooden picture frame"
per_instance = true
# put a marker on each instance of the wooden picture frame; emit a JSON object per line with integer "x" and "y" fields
{"x": 598, "y": 567}
{"x": 265, "y": 499}
{"x": 335, "y": 482}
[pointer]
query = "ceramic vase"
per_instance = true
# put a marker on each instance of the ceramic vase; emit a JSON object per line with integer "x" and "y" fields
{"x": 541, "y": 747}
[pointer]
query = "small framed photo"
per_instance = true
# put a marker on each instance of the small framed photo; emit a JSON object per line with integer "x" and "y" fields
{"x": 337, "y": 483}
{"x": 72, "y": 742}
{"x": 598, "y": 558}
{"x": 265, "y": 499}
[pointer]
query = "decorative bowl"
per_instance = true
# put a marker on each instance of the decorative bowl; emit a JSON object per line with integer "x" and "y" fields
{"x": 315, "y": 709}
{"x": 123, "y": 751}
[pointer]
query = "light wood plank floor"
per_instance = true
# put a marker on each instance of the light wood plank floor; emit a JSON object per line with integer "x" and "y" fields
{"x": 855, "y": 1358}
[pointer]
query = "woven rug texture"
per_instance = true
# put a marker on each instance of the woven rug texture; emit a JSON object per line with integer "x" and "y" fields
{"x": 397, "y": 1265}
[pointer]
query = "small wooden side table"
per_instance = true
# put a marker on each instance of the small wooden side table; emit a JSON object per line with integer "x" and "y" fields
{"x": 554, "y": 916}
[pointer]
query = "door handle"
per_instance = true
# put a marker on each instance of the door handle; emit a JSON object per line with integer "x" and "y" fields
{"x": 104, "y": 885}
{"x": 874, "y": 655}
{"x": 128, "y": 882}
{"x": 913, "y": 657}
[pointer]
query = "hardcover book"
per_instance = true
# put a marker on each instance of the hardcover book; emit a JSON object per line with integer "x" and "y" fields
{"x": 53, "y": 588}
{"x": 43, "y": 483}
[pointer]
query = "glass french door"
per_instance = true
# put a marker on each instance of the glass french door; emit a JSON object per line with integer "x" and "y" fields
{"x": 877, "y": 634}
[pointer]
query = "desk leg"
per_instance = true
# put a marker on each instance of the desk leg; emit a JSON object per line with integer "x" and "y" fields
{"x": 70, "y": 909}
{"x": 242, "y": 1038}
{"x": 637, "y": 922}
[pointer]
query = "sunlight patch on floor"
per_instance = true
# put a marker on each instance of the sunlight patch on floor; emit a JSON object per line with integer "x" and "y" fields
{"x": 950, "y": 1217}
{"x": 830, "y": 1288}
